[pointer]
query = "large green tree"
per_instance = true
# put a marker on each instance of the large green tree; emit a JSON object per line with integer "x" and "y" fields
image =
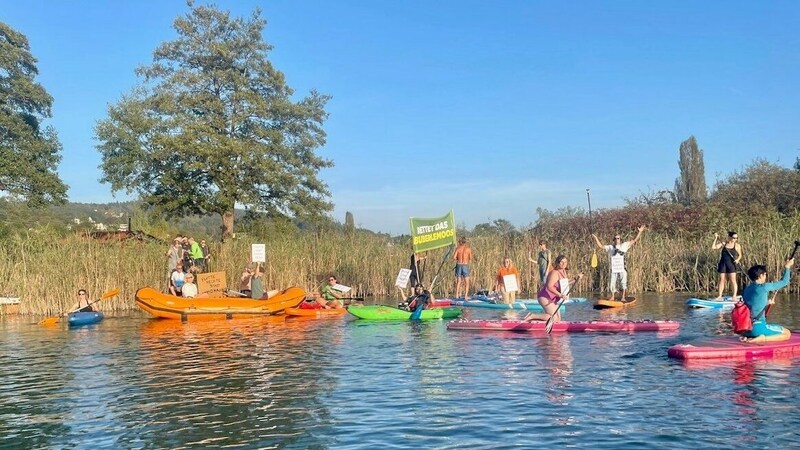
{"x": 29, "y": 151}
{"x": 213, "y": 124}
{"x": 690, "y": 187}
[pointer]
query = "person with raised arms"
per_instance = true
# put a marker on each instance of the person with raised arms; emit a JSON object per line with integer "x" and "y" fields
{"x": 616, "y": 254}
{"x": 557, "y": 286}
{"x": 728, "y": 261}
{"x": 756, "y": 298}
{"x": 463, "y": 257}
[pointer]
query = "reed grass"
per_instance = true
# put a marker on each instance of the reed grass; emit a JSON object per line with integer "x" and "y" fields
{"x": 46, "y": 269}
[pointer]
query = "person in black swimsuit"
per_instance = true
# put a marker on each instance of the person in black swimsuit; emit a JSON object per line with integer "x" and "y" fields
{"x": 84, "y": 304}
{"x": 728, "y": 265}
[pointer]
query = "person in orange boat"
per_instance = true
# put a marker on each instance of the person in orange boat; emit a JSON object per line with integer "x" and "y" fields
{"x": 330, "y": 297}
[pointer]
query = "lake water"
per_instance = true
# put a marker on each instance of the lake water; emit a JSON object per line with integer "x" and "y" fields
{"x": 136, "y": 382}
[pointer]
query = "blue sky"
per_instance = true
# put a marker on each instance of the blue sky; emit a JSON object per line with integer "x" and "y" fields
{"x": 491, "y": 109}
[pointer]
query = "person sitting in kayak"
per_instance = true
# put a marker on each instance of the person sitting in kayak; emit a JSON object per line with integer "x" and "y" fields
{"x": 421, "y": 298}
{"x": 83, "y": 304}
{"x": 330, "y": 297}
{"x": 756, "y": 297}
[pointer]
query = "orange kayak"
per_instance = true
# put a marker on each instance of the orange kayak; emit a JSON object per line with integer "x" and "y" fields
{"x": 171, "y": 307}
{"x": 322, "y": 312}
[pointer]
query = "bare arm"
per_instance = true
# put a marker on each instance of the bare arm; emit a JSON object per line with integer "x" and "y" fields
{"x": 716, "y": 245}
{"x": 639, "y": 234}
{"x": 739, "y": 252}
{"x": 597, "y": 241}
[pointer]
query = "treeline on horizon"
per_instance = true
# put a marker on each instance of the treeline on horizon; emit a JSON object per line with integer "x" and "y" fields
{"x": 761, "y": 203}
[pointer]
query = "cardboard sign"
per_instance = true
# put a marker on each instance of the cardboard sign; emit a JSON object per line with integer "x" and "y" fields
{"x": 341, "y": 287}
{"x": 617, "y": 264}
{"x": 213, "y": 283}
{"x": 563, "y": 285}
{"x": 258, "y": 253}
{"x": 402, "y": 278}
{"x": 510, "y": 282}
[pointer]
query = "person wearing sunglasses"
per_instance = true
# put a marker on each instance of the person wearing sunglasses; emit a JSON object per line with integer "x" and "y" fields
{"x": 83, "y": 303}
{"x": 728, "y": 262}
{"x": 330, "y": 297}
{"x": 616, "y": 253}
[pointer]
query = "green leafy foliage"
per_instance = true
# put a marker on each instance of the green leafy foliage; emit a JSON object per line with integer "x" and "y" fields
{"x": 213, "y": 125}
{"x": 29, "y": 151}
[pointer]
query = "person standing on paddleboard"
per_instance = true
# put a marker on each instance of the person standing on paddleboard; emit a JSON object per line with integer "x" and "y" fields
{"x": 544, "y": 261}
{"x": 756, "y": 298}
{"x": 507, "y": 281}
{"x": 728, "y": 261}
{"x": 463, "y": 257}
{"x": 616, "y": 253}
{"x": 557, "y": 286}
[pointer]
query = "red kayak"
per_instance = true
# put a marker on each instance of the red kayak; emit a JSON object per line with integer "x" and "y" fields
{"x": 565, "y": 327}
{"x": 730, "y": 347}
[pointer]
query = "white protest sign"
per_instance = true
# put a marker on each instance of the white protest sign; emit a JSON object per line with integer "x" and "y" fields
{"x": 341, "y": 287}
{"x": 617, "y": 264}
{"x": 258, "y": 253}
{"x": 563, "y": 285}
{"x": 402, "y": 278}
{"x": 510, "y": 282}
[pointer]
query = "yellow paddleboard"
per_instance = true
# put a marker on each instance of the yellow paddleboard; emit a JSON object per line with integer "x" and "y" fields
{"x": 606, "y": 303}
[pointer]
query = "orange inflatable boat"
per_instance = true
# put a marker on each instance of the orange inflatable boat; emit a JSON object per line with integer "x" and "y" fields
{"x": 171, "y": 307}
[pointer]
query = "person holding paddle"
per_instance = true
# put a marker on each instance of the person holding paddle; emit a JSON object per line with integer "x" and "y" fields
{"x": 756, "y": 298}
{"x": 557, "y": 287}
{"x": 728, "y": 261}
{"x": 616, "y": 253}
{"x": 83, "y": 304}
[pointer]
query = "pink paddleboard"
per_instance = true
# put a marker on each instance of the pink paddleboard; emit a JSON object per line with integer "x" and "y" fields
{"x": 730, "y": 347}
{"x": 565, "y": 327}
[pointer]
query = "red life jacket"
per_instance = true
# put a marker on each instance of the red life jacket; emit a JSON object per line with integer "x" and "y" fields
{"x": 741, "y": 320}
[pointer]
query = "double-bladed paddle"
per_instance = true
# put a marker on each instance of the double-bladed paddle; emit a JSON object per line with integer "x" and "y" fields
{"x": 55, "y": 320}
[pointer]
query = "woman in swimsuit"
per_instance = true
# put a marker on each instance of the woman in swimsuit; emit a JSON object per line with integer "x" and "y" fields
{"x": 728, "y": 262}
{"x": 558, "y": 286}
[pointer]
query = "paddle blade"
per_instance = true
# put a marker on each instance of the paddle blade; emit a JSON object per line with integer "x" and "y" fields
{"x": 109, "y": 294}
{"x": 50, "y": 321}
{"x": 594, "y": 260}
{"x": 418, "y": 311}
{"x": 548, "y": 326}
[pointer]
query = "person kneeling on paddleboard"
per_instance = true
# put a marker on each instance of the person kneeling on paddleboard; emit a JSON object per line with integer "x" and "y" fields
{"x": 756, "y": 299}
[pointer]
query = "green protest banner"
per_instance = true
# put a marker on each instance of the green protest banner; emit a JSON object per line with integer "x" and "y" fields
{"x": 430, "y": 234}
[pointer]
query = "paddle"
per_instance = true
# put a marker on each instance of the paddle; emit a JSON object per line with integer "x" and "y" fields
{"x": 55, "y": 320}
{"x": 421, "y": 305}
{"x": 791, "y": 256}
{"x": 591, "y": 230}
{"x": 548, "y": 326}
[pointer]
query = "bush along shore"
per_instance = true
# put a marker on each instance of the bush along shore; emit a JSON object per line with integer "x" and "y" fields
{"x": 45, "y": 268}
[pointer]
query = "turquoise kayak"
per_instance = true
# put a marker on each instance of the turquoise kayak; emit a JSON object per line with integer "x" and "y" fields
{"x": 376, "y": 312}
{"x": 497, "y": 299}
{"x": 520, "y": 305}
{"x": 725, "y": 303}
{"x": 84, "y": 318}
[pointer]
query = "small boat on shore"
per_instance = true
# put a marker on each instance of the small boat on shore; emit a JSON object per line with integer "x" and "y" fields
{"x": 168, "y": 306}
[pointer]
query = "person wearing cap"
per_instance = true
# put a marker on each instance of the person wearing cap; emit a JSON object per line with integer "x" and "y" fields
{"x": 616, "y": 253}
{"x": 189, "y": 289}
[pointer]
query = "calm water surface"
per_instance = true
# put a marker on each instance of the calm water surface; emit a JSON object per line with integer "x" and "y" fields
{"x": 136, "y": 382}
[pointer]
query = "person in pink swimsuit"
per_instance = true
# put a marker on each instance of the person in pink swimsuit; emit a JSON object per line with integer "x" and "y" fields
{"x": 557, "y": 286}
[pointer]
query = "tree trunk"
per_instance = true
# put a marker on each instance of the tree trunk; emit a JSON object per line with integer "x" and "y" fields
{"x": 227, "y": 224}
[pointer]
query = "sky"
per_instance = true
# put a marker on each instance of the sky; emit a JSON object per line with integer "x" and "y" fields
{"x": 491, "y": 109}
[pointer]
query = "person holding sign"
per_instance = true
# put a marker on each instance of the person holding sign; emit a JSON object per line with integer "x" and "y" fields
{"x": 507, "y": 281}
{"x": 557, "y": 286}
{"x": 331, "y": 295}
{"x": 616, "y": 252}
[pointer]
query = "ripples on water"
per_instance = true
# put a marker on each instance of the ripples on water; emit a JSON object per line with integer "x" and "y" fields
{"x": 135, "y": 382}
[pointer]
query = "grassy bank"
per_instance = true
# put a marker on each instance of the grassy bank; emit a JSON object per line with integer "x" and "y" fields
{"x": 45, "y": 269}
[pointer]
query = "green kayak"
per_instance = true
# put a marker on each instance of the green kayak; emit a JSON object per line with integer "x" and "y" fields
{"x": 389, "y": 313}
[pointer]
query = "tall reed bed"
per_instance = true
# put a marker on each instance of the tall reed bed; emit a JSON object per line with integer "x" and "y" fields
{"x": 46, "y": 269}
